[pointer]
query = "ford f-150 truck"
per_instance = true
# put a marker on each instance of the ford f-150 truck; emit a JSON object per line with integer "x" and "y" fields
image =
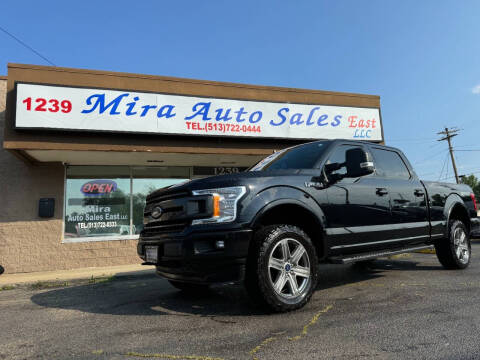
{"x": 333, "y": 201}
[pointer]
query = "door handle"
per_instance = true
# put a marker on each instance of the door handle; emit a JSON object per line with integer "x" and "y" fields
{"x": 381, "y": 191}
{"x": 418, "y": 192}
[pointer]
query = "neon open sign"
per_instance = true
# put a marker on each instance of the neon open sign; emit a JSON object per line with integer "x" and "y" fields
{"x": 99, "y": 187}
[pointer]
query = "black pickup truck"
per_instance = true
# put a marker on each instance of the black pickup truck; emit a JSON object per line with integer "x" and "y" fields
{"x": 334, "y": 201}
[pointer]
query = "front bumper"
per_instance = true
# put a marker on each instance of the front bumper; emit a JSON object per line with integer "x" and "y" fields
{"x": 196, "y": 258}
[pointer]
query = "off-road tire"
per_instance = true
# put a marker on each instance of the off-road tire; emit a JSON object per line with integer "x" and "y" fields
{"x": 189, "y": 287}
{"x": 257, "y": 277}
{"x": 447, "y": 251}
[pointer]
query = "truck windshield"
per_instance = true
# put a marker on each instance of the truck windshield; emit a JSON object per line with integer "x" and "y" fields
{"x": 298, "y": 157}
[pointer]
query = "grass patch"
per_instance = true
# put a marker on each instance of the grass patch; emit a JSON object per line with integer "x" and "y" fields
{"x": 400, "y": 256}
{"x": 48, "y": 284}
{"x": 51, "y": 284}
{"x": 426, "y": 251}
{"x": 101, "y": 279}
{"x": 7, "y": 287}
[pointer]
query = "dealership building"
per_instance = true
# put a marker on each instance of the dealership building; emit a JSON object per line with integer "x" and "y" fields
{"x": 81, "y": 149}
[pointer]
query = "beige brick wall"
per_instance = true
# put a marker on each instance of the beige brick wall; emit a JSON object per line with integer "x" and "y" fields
{"x": 29, "y": 243}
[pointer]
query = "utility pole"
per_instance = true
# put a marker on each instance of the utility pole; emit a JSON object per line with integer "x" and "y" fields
{"x": 448, "y": 134}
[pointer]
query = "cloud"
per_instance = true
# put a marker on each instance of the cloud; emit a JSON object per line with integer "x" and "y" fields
{"x": 476, "y": 89}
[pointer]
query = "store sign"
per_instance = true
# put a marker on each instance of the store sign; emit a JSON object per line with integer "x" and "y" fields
{"x": 67, "y": 108}
{"x": 99, "y": 187}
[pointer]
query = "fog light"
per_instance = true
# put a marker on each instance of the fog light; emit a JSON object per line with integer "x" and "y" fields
{"x": 220, "y": 244}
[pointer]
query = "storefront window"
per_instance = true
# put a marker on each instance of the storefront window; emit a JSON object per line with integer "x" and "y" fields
{"x": 107, "y": 202}
{"x": 97, "y": 202}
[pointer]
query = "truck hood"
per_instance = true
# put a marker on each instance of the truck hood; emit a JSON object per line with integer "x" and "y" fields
{"x": 239, "y": 179}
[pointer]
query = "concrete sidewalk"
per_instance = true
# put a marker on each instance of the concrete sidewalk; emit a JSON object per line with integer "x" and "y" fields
{"x": 75, "y": 274}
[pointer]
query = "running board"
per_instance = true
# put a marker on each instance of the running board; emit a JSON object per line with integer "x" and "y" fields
{"x": 373, "y": 255}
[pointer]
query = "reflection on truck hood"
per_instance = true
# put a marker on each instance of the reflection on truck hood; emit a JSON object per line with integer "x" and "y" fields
{"x": 237, "y": 179}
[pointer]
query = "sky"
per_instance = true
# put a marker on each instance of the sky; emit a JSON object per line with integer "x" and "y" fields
{"x": 421, "y": 57}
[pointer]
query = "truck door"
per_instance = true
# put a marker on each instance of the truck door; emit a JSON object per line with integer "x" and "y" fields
{"x": 358, "y": 210}
{"x": 410, "y": 223}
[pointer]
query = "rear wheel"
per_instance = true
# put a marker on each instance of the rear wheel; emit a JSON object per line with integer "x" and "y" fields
{"x": 455, "y": 251}
{"x": 189, "y": 287}
{"x": 282, "y": 268}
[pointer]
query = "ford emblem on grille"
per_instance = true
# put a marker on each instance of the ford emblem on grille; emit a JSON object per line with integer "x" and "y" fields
{"x": 157, "y": 212}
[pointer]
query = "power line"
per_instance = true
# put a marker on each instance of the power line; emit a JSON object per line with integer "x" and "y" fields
{"x": 471, "y": 173}
{"x": 443, "y": 167}
{"x": 449, "y": 133}
{"x": 419, "y": 140}
{"x": 446, "y": 171}
{"x": 429, "y": 157}
{"x": 459, "y": 146}
{"x": 27, "y": 46}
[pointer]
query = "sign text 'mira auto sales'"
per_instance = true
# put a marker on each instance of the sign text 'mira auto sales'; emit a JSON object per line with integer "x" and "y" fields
{"x": 67, "y": 108}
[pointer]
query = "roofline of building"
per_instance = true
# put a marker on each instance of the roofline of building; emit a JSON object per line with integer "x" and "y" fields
{"x": 186, "y": 80}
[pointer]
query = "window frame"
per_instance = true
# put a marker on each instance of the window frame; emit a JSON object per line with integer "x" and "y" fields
{"x": 375, "y": 162}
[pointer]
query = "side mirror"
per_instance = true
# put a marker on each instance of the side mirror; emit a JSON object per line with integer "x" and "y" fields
{"x": 329, "y": 168}
{"x": 358, "y": 163}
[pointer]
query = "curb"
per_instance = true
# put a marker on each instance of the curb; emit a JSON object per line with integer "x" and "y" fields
{"x": 77, "y": 274}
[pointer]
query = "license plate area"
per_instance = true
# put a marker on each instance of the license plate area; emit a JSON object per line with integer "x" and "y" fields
{"x": 151, "y": 254}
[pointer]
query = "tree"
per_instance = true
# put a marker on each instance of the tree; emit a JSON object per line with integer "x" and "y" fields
{"x": 473, "y": 182}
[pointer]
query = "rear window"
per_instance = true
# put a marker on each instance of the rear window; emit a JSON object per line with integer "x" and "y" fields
{"x": 389, "y": 164}
{"x": 298, "y": 157}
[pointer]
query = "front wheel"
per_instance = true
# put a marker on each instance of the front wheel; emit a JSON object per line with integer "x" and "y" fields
{"x": 455, "y": 251}
{"x": 282, "y": 268}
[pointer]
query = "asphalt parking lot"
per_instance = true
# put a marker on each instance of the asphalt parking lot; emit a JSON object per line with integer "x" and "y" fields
{"x": 402, "y": 308}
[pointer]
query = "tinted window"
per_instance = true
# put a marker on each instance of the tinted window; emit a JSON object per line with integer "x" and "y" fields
{"x": 390, "y": 164}
{"x": 338, "y": 156}
{"x": 298, "y": 157}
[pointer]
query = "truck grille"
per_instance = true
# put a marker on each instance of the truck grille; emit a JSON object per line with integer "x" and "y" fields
{"x": 177, "y": 212}
{"x": 156, "y": 199}
{"x": 173, "y": 217}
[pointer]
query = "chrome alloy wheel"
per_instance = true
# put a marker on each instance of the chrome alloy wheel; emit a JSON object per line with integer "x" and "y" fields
{"x": 460, "y": 242}
{"x": 289, "y": 268}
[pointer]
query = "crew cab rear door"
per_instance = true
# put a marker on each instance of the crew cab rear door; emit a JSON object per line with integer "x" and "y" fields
{"x": 407, "y": 195}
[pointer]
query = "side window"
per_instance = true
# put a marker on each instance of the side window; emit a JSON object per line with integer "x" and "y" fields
{"x": 389, "y": 164}
{"x": 338, "y": 156}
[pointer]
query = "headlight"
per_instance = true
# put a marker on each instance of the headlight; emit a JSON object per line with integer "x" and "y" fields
{"x": 224, "y": 204}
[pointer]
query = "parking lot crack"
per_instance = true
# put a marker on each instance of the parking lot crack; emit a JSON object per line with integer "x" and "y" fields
{"x": 221, "y": 321}
{"x": 259, "y": 347}
{"x": 313, "y": 320}
{"x": 172, "y": 357}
